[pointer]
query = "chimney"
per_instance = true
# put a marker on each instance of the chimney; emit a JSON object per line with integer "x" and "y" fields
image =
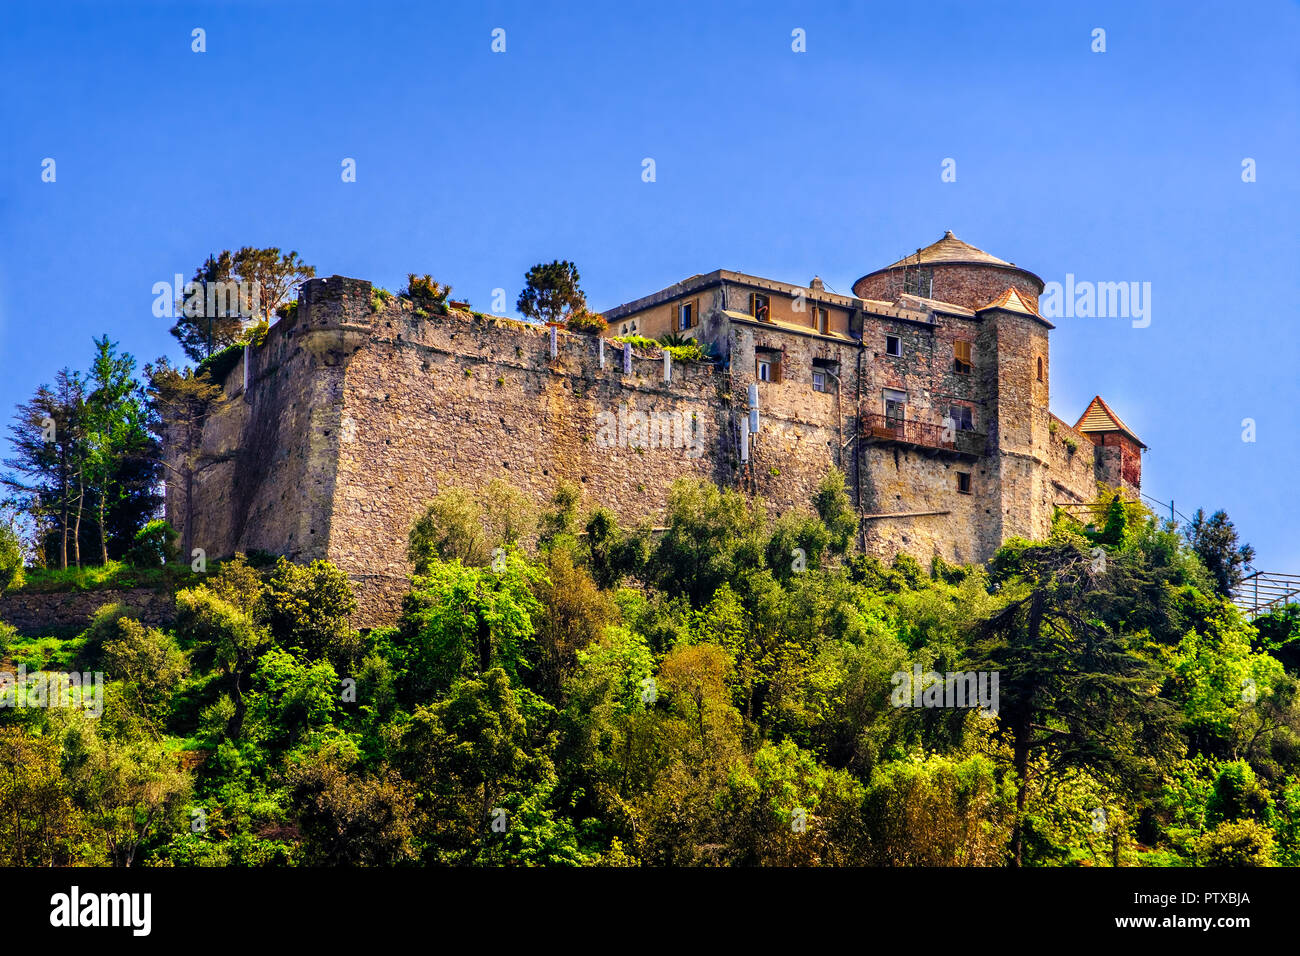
{"x": 817, "y": 284}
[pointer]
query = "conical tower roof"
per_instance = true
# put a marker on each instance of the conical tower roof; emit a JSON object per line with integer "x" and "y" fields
{"x": 949, "y": 249}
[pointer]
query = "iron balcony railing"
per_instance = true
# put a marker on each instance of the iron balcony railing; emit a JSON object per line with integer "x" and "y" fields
{"x": 905, "y": 431}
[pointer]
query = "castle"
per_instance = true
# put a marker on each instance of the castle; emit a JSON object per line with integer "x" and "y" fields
{"x": 928, "y": 388}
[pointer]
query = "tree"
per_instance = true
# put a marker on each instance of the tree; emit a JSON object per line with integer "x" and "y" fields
{"x": 833, "y": 506}
{"x": 232, "y": 639}
{"x": 214, "y": 319}
{"x": 48, "y": 439}
{"x": 116, "y": 431}
{"x": 154, "y": 545}
{"x": 459, "y": 621}
{"x": 11, "y": 558}
{"x": 39, "y": 825}
{"x": 1075, "y": 690}
{"x": 1214, "y": 539}
{"x": 551, "y": 292}
{"x": 349, "y": 818}
{"x": 466, "y": 754}
{"x": 939, "y": 811}
{"x": 311, "y": 608}
{"x": 612, "y": 554}
{"x": 713, "y": 537}
{"x": 450, "y": 529}
{"x": 150, "y": 665}
{"x": 460, "y": 526}
{"x": 130, "y": 789}
{"x": 574, "y": 613}
{"x": 1242, "y": 843}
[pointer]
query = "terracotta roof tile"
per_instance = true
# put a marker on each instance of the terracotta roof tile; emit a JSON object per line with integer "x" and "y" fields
{"x": 1098, "y": 417}
{"x": 1014, "y": 300}
{"x": 948, "y": 249}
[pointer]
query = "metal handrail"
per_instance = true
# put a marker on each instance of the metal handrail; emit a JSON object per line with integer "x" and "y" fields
{"x": 909, "y": 431}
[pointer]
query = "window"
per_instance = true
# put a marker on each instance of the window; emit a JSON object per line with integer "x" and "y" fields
{"x": 767, "y": 364}
{"x": 759, "y": 307}
{"x": 895, "y": 407}
{"x": 819, "y": 381}
{"x": 961, "y": 360}
{"x": 823, "y": 318}
{"x": 685, "y": 316}
{"x": 893, "y": 345}
{"x": 1040, "y": 368}
{"x": 963, "y": 482}
{"x": 963, "y": 418}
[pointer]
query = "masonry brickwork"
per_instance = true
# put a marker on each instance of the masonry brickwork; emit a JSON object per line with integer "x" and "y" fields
{"x": 335, "y": 433}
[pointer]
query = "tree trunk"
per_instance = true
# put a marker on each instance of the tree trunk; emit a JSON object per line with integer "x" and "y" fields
{"x": 63, "y": 543}
{"x": 103, "y": 535}
{"x": 1021, "y": 764}
{"x": 1023, "y": 737}
{"x": 76, "y": 529}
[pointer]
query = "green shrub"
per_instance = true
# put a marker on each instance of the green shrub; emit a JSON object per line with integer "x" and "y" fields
{"x": 11, "y": 559}
{"x": 104, "y": 627}
{"x": 311, "y": 608}
{"x": 426, "y": 294}
{"x": 1236, "y": 843}
{"x": 586, "y": 323}
{"x": 155, "y": 545}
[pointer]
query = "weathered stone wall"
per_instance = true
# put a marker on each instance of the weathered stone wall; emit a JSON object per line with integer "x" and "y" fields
{"x": 261, "y": 476}
{"x": 37, "y": 613}
{"x": 972, "y": 286}
{"x": 460, "y": 400}
{"x": 802, "y": 431}
{"x": 358, "y": 413}
{"x": 911, "y": 503}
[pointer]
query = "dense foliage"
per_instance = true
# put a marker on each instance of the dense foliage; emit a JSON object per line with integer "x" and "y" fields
{"x": 85, "y": 462}
{"x": 560, "y": 690}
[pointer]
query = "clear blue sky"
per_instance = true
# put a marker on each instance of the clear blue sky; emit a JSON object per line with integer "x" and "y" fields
{"x": 1115, "y": 166}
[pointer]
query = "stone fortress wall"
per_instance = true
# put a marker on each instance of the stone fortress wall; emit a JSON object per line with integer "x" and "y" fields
{"x": 337, "y": 431}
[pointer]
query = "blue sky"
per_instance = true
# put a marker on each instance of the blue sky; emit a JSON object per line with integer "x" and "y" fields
{"x": 473, "y": 165}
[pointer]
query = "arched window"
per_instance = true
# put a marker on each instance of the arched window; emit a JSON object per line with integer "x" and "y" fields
{"x": 1040, "y": 368}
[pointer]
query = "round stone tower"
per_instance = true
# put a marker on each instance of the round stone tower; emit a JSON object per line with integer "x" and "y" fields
{"x": 949, "y": 271}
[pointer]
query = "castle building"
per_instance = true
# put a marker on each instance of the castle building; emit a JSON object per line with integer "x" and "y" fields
{"x": 928, "y": 388}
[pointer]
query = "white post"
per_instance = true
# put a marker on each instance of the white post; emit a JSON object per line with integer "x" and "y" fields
{"x": 555, "y": 341}
{"x": 668, "y": 366}
{"x": 753, "y": 407}
{"x": 744, "y": 440}
{"x": 600, "y": 349}
{"x": 627, "y": 358}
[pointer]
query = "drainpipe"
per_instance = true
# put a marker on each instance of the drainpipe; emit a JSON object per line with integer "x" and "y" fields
{"x": 857, "y": 449}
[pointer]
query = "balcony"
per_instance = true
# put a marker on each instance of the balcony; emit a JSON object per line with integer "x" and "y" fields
{"x": 881, "y": 429}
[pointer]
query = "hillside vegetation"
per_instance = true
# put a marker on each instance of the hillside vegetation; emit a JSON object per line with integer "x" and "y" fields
{"x": 563, "y": 691}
